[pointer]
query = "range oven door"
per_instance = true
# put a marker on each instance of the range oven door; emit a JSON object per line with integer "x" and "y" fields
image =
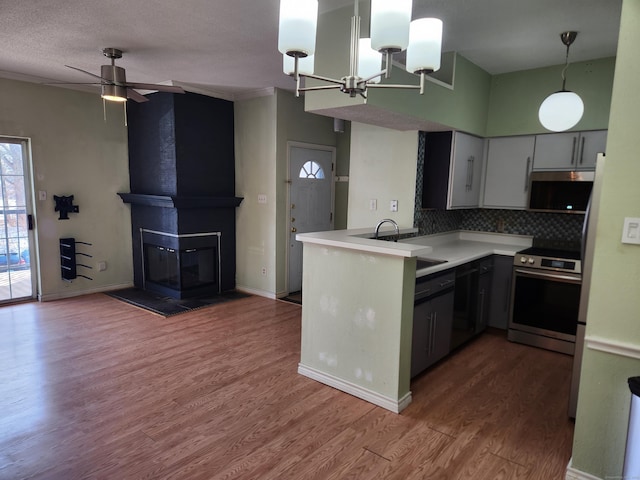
{"x": 544, "y": 308}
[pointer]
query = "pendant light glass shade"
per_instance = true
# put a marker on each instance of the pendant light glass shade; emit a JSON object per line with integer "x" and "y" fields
{"x": 298, "y": 25}
{"x": 390, "y": 24}
{"x": 561, "y": 111}
{"x": 305, "y": 65}
{"x": 425, "y": 43}
{"x": 369, "y": 60}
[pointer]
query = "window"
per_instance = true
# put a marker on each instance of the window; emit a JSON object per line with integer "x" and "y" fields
{"x": 311, "y": 170}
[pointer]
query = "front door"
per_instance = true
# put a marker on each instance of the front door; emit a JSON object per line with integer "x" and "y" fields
{"x": 310, "y": 201}
{"x": 16, "y": 266}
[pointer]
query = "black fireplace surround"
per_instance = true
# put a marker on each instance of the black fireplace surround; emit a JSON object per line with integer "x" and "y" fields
{"x": 182, "y": 182}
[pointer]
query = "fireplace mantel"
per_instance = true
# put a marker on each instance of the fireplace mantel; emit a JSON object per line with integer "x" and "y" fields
{"x": 180, "y": 201}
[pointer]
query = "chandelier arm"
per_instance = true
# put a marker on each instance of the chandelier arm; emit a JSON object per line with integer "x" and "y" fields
{"x": 319, "y": 77}
{"x": 376, "y": 75}
{"x": 320, "y": 87}
{"x": 387, "y": 85}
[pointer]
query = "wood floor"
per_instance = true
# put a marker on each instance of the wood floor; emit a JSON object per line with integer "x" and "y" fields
{"x": 93, "y": 388}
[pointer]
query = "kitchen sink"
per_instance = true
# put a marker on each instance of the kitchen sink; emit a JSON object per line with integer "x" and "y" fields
{"x": 428, "y": 262}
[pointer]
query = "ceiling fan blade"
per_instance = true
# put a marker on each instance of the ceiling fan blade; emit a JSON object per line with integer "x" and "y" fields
{"x": 135, "y": 96}
{"x": 155, "y": 86}
{"x": 88, "y": 73}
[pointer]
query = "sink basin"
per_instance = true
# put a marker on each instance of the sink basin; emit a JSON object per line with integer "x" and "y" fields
{"x": 428, "y": 262}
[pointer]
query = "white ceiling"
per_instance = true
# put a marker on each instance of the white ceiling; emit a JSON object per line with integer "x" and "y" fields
{"x": 230, "y": 46}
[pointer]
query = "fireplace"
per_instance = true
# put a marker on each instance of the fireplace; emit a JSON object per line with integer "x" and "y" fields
{"x": 183, "y": 203}
{"x": 183, "y": 266}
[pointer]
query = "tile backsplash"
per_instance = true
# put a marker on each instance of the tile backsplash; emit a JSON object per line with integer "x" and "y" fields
{"x": 547, "y": 226}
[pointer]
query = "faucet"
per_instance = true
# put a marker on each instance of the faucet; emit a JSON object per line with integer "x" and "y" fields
{"x": 385, "y": 220}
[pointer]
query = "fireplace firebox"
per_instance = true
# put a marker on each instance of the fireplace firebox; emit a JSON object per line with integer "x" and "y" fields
{"x": 181, "y": 266}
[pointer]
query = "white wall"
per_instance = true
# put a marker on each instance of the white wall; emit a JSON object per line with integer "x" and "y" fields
{"x": 75, "y": 152}
{"x": 383, "y": 167}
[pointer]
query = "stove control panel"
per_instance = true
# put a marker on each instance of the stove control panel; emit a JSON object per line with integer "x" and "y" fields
{"x": 527, "y": 260}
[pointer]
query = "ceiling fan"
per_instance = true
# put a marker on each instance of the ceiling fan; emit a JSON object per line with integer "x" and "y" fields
{"x": 114, "y": 83}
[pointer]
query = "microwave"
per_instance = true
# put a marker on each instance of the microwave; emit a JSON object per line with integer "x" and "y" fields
{"x": 560, "y": 191}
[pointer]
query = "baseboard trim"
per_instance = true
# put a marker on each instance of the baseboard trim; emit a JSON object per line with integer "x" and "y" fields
{"x": 396, "y": 406}
{"x": 78, "y": 293}
{"x": 575, "y": 474}
{"x": 254, "y": 291}
{"x": 614, "y": 347}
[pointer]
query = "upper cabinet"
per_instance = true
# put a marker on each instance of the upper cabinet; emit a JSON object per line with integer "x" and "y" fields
{"x": 509, "y": 163}
{"x": 452, "y": 170}
{"x": 569, "y": 150}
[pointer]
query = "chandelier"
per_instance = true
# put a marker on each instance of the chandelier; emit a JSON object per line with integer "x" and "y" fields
{"x": 391, "y": 29}
{"x": 562, "y": 110}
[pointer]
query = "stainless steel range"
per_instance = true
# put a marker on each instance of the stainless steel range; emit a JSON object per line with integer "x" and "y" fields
{"x": 545, "y": 298}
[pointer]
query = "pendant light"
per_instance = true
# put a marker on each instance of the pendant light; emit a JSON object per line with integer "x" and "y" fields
{"x": 391, "y": 29}
{"x": 562, "y": 110}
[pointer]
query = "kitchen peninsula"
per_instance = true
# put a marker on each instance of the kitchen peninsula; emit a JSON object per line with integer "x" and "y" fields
{"x": 357, "y": 312}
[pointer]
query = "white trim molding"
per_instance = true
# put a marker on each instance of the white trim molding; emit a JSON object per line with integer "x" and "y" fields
{"x": 396, "y": 406}
{"x": 614, "y": 347}
{"x": 77, "y": 293}
{"x": 574, "y": 474}
{"x": 255, "y": 291}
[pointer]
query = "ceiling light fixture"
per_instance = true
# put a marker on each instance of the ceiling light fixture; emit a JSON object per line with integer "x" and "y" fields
{"x": 392, "y": 31}
{"x": 562, "y": 110}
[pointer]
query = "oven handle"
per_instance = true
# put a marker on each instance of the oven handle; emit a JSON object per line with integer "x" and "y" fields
{"x": 552, "y": 276}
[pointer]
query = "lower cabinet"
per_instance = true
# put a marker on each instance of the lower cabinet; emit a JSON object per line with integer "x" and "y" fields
{"x": 432, "y": 320}
{"x": 501, "y": 291}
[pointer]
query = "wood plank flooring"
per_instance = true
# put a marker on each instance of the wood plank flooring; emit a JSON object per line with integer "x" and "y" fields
{"x": 93, "y": 388}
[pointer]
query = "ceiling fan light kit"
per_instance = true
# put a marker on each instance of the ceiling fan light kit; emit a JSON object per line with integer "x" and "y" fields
{"x": 391, "y": 32}
{"x": 562, "y": 110}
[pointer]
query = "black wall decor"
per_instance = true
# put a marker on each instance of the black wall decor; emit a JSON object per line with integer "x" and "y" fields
{"x": 65, "y": 206}
{"x": 182, "y": 174}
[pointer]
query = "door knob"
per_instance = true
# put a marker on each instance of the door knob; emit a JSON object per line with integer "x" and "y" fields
{"x": 294, "y": 229}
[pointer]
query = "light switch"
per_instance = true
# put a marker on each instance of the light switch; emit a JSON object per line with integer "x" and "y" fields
{"x": 42, "y": 195}
{"x": 393, "y": 206}
{"x": 631, "y": 230}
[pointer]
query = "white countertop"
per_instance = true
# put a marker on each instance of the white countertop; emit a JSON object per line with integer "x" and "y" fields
{"x": 461, "y": 247}
{"x": 356, "y": 239}
{"x": 455, "y": 247}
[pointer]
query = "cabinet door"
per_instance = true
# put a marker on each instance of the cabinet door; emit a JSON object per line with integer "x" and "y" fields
{"x": 508, "y": 167}
{"x": 556, "y": 151}
{"x": 442, "y": 325}
{"x": 484, "y": 301}
{"x": 464, "y": 188}
{"x": 591, "y": 144}
{"x": 421, "y": 338}
{"x": 501, "y": 291}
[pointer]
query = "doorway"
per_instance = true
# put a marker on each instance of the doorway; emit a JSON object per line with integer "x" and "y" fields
{"x": 17, "y": 278}
{"x": 310, "y": 201}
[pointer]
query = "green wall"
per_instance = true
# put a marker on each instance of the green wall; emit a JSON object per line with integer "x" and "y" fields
{"x": 516, "y": 97}
{"x": 614, "y": 303}
{"x": 75, "y": 151}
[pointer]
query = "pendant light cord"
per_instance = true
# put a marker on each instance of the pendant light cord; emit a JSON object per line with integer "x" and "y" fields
{"x": 564, "y": 70}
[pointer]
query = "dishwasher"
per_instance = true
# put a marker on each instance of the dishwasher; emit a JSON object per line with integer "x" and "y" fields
{"x": 432, "y": 319}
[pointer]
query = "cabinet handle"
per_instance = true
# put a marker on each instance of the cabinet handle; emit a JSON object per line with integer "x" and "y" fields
{"x": 473, "y": 161}
{"x": 582, "y": 150}
{"x": 526, "y": 175}
{"x": 469, "y": 170}
{"x": 433, "y": 332}
{"x": 507, "y": 290}
{"x": 573, "y": 151}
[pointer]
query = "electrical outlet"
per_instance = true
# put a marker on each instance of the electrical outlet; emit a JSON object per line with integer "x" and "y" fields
{"x": 102, "y": 266}
{"x": 262, "y": 198}
{"x": 373, "y": 204}
{"x": 264, "y": 271}
{"x": 42, "y": 195}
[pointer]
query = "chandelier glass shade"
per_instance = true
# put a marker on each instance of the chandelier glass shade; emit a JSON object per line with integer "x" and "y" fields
{"x": 562, "y": 110}
{"x": 391, "y": 32}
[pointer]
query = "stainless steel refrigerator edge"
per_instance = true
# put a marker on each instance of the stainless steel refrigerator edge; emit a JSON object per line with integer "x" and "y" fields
{"x": 588, "y": 241}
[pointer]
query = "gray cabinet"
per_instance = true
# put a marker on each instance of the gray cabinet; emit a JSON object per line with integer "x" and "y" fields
{"x": 452, "y": 170}
{"x": 483, "y": 302}
{"x": 569, "y": 150}
{"x": 509, "y": 163}
{"x": 432, "y": 317}
{"x": 500, "y": 291}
